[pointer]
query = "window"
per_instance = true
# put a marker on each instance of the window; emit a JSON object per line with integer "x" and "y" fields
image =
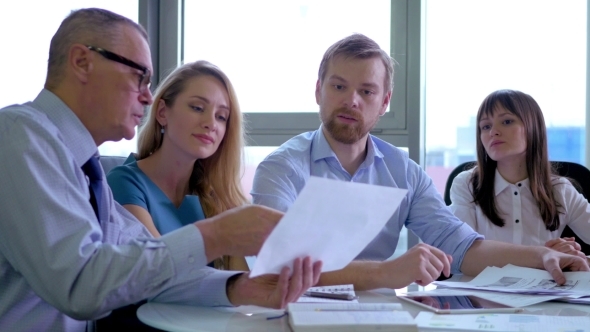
{"x": 25, "y": 66}
{"x": 254, "y": 156}
{"x": 271, "y": 50}
{"x": 476, "y": 47}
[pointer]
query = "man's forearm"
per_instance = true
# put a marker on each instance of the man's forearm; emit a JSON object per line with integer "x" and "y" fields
{"x": 364, "y": 275}
{"x": 484, "y": 253}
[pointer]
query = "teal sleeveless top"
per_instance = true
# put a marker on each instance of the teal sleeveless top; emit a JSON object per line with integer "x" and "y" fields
{"x": 130, "y": 185}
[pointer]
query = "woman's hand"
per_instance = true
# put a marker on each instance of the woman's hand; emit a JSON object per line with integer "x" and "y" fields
{"x": 567, "y": 245}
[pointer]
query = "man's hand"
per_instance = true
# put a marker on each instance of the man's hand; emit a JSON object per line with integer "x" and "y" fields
{"x": 421, "y": 264}
{"x": 555, "y": 262}
{"x": 567, "y": 245}
{"x": 239, "y": 231}
{"x": 275, "y": 291}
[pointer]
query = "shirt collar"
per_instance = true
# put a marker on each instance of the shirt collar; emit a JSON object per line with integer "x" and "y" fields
{"x": 73, "y": 133}
{"x": 500, "y": 183}
{"x": 373, "y": 152}
{"x": 321, "y": 149}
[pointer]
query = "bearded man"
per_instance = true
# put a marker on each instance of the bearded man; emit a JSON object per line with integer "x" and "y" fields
{"x": 353, "y": 90}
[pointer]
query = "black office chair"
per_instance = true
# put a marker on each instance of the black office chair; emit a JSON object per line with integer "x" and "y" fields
{"x": 576, "y": 172}
{"x": 462, "y": 167}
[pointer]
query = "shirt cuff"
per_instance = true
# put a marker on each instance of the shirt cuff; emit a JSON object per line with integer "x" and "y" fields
{"x": 462, "y": 249}
{"x": 196, "y": 284}
{"x": 187, "y": 250}
{"x": 213, "y": 288}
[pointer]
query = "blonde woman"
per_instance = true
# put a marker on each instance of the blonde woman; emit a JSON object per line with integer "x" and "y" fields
{"x": 190, "y": 153}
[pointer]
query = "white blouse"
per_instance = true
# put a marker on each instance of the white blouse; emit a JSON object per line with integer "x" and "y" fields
{"x": 516, "y": 205}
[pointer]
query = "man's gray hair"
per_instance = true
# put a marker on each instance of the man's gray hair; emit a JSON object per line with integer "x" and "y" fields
{"x": 89, "y": 26}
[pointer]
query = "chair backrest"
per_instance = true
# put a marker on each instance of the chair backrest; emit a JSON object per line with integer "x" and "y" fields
{"x": 581, "y": 179}
{"x": 462, "y": 167}
{"x": 576, "y": 172}
{"x": 110, "y": 162}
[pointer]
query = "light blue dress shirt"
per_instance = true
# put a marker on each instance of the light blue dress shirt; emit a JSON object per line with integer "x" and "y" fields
{"x": 282, "y": 175}
{"x": 130, "y": 185}
{"x": 58, "y": 265}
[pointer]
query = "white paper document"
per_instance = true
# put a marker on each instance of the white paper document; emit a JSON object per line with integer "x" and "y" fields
{"x": 291, "y": 307}
{"x": 507, "y": 299}
{"x": 344, "y": 321}
{"x": 580, "y": 300}
{"x": 428, "y": 321}
{"x": 331, "y": 221}
{"x": 522, "y": 280}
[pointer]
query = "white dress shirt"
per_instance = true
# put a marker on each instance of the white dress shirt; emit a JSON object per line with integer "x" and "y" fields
{"x": 519, "y": 209}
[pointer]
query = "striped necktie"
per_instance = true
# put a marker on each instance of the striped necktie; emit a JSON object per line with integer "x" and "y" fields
{"x": 93, "y": 171}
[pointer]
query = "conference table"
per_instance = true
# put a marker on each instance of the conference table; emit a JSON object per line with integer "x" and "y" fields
{"x": 172, "y": 317}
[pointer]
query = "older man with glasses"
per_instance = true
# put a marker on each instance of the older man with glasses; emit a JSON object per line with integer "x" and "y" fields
{"x": 145, "y": 78}
{"x": 68, "y": 252}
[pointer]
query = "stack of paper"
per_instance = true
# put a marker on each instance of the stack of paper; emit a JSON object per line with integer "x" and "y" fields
{"x": 427, "y": 321}
{"x": 522, "y": 280}
{"x": 507, "y": 299}
{"x": 349, "y": 317}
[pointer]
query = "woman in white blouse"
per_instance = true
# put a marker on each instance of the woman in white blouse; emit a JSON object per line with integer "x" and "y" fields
{"x": 512, "y": 195}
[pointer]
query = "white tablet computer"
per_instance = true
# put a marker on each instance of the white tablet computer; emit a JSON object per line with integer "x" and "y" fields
{"x": 459, "y": 304}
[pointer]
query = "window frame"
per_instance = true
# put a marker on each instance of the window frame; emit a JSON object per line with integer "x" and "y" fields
{"x": 163, "y": 20}
{"x": 403, "y": 126}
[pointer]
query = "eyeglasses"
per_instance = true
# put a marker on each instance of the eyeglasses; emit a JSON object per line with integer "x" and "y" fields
{"x": 144, "y": 77}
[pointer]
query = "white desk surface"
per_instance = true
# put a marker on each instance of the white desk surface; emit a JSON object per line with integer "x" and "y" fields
{"x": 171, "y": 317}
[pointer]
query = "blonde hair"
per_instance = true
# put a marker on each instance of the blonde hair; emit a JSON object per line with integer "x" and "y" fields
{"x": 216, "y": 179}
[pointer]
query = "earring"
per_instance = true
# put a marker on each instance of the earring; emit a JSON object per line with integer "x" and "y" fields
{"x": 162, "y": 130}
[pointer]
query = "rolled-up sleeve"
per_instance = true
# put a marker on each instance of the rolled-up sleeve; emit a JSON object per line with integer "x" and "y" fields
{"x": 434, "y": 222}
{"x": 276, "y": 183}
{"x": 462, "y": 204}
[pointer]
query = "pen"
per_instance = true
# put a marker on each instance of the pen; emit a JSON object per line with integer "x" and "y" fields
{"x": 374, "y": 310}
{"x": 479, "y": 311}
{"x": 331, "y": 295}
{"x": 277, "y": 317}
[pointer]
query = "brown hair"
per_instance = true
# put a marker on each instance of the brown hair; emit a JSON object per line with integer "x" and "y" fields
{"x": 358, "y": 46}
{"x": 537, "y": 158}
{"x": 89, "y": 26}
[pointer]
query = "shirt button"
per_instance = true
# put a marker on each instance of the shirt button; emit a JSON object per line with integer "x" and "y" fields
{"x": 520, "y": 184}
{"x": 191, "y": 259}
{"x": 515, "y": 193}
{"x": 517, "y": 221}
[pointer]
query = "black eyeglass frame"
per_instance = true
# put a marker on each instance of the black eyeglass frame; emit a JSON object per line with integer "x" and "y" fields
{"x": 123, "y": 60}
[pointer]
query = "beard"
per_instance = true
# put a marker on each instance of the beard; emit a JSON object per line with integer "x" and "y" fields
{"x": 346, "y": 133}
